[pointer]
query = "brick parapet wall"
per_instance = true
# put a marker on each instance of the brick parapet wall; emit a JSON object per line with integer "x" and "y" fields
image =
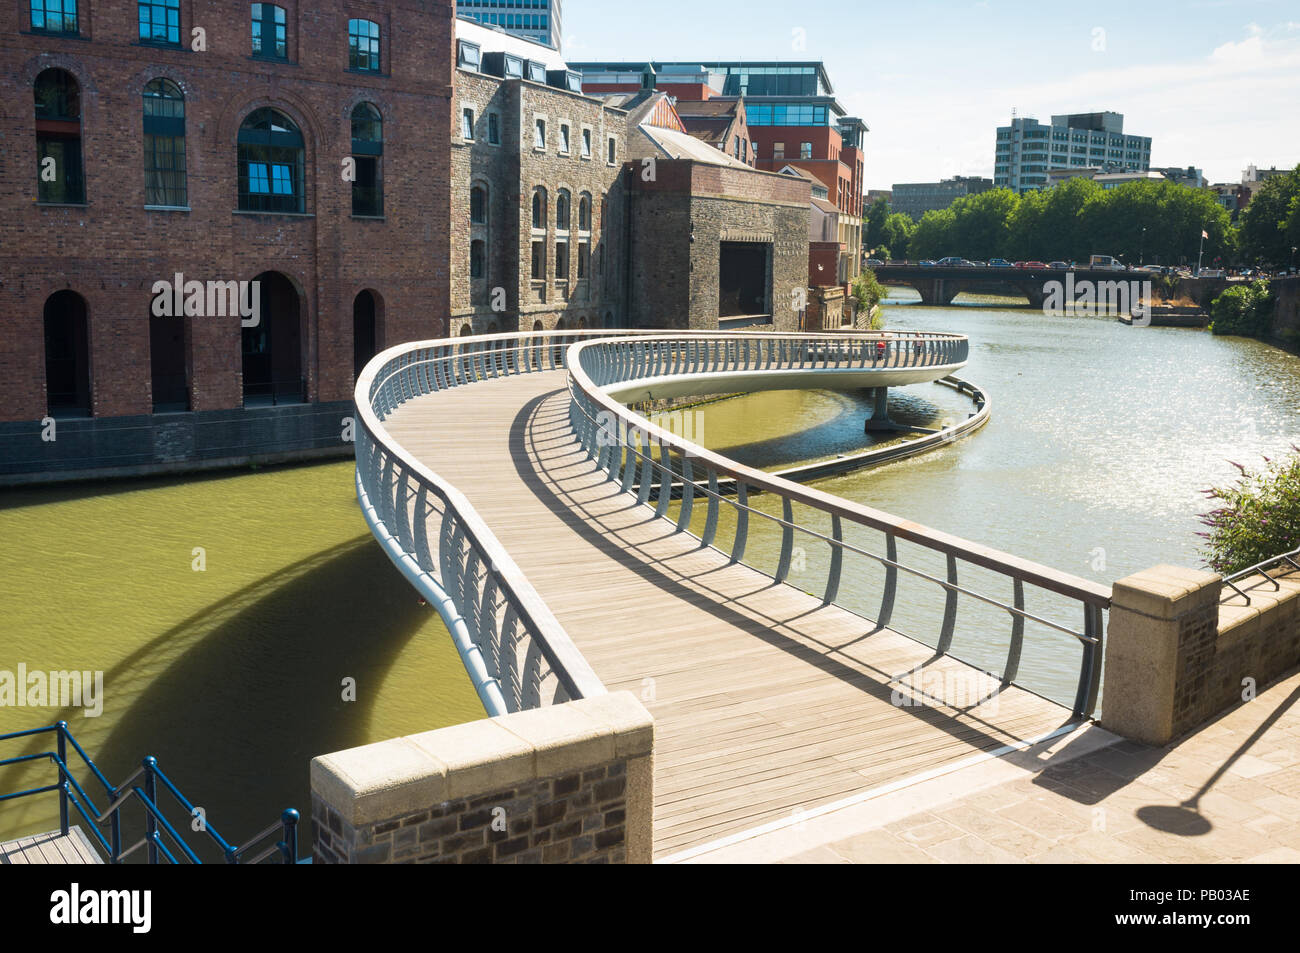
{"x": 571, "y": 783}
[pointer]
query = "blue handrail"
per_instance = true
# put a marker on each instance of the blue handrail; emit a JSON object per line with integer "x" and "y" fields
{"x": 72, "y": 794}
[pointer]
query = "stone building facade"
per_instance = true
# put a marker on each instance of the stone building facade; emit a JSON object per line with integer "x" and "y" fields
{"x": 185, "y": 147}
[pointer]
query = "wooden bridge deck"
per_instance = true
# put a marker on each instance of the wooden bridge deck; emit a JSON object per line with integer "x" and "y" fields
{"x": 51, "y": 848}
{"x": 765, "y": 701}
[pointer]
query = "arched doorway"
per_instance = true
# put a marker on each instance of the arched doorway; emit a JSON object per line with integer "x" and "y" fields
{"x": 167, "y": 350}
{"x": 466, "y": 330}
{"x": 67, "y": 355}
{"x": 365, "y": 336}
{"x": 273, "y": 347}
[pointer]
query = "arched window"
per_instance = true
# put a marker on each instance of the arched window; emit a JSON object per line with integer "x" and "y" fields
{"x": 363, "y": 45}
{"x": 164, "y": 144}
{"x": 584, "y": 212}
{"x": 58, "y": 139}
{"x": 271, "y": 163}
{"x": 160, "y": 21}
{"x": 270, "y": 38}
{"x": 562, "y": 210}
{"x": 365, "y": 331}
{"x": 478, "y": 205}
{"x": 368, "y": 152}
{"x": 477, "y": 254}
{"x": 539, "y": 209}
{"x": 272, "y": 349}
{"x": 67, "y": 355}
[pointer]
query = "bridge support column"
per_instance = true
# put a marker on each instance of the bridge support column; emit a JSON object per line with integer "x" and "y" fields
{"x": 562, "y": 784}
{"x": 879, "y": 420}
{"x": 938, "y": 291}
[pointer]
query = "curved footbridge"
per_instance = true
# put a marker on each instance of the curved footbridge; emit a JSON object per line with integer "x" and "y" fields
{"x": 574, "y": 549}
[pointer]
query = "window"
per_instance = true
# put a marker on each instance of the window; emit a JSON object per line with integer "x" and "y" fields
{"x": 55, "y": 16}
{"x": 368, "y": 152}
{"x": 584, "y": 212}
{"x": 736, "y": 146}
{"x": 586, "y": 143}
{"x": 561, "y": 261}
{"x": 494, "y": 129}
{"x": 363, "y": 45}
{"x": 476, "y": 258}
{"x": 539, "y": 261}
{"x": 805, "y": 150}
{"x": 564, "y": 139}
{"x": 164, "y": 144}
{"x": 514, "y": 67}
{"x": 584, "y": 257}
{"x": 58, "y": 139}
{"x": 539, "y": 209}
{"x": 160, "y": 22}
{"x": 467, "y": 124}
{"x": 269, "y": 37}
{"x": 536, "y": 71}
{"x": 478, "y": 205}
{"x": 467, "y": 55}
{"x": 562, "y": 210}
{"x": 612, "y": 150}
{"x": 539, "y": 134}
{"x": 778, "y": 150}
{"x": 271, "y": 163}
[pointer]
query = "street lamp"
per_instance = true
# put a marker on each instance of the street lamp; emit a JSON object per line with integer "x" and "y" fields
{"x": 1142, "y": 249}
{"x": 1293, "y": 248}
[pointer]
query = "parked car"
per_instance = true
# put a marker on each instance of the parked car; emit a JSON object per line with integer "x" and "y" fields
{"x": 1058, "y": 265}
{"x": 1000, "y": 263}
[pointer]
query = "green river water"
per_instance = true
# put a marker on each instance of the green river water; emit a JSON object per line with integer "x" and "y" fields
{"x": 1100, "y": 439}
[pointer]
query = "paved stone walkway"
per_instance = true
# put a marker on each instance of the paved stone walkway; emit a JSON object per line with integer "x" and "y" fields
{"x": 1229, "y": 793}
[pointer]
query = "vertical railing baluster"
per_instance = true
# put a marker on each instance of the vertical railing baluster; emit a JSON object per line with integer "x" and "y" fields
{"x": 666, "y": 485}
{"x": 949, "y": 608}
{"x": 711, "y": 517}
{"x": 787, "y": 540}
{"x": 742, "y": 521}
{"x": 837, "y": 561}
{"x": 688, "y": 495}
{"x": 647, "y": 467}
{"x": 1012, "y": 668}
{"x": 891, "y": 582}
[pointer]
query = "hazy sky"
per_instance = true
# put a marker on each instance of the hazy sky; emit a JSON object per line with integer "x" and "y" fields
{"x": 1214, "y": 83}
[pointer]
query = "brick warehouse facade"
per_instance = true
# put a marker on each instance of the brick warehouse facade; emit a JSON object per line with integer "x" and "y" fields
{"x": 83, "y": 257}
{"x": 499, "y": 173}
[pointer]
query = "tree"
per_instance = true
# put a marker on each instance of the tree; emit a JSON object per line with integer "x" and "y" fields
{"x": 932, "y": 236}
{"x": 1270, "y": 224}
{"x": 982, "y": 223}
{"x": 896, "y": 233}
{"x": 877, "y": 214}
{"x": 1256, "y": 519}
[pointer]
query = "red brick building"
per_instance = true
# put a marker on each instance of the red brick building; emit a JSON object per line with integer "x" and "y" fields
{"x": 302, "y": 148}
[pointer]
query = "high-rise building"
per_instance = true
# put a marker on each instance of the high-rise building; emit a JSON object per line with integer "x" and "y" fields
{"x": 533, "y": 19}
{"x": 1027, "y": 149}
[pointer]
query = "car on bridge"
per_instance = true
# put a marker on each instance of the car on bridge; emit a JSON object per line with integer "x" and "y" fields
{"x": 1031, "y": 264}
{"x": 1000, "y": 263}
{"x": 954, "y": 262}
{"x": 875, "y": 263}
{"x": 926, "y": 264}
{"x": 1059, "y": 265}
{"x": 1105, "y": 263}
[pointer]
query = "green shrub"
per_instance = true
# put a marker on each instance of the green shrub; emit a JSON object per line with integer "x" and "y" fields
{"x": 1258, "y": 517}
{"x": 1244, "y": 310}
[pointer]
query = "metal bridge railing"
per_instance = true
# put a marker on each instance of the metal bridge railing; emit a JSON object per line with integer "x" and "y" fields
{"x": 160, "y": 838}
{"x": 1286, "y": 562}
{"x": 624, "y": 444}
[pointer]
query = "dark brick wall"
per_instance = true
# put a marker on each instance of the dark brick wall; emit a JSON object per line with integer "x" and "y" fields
{"x": 112, "y": 250}
{"x": 575, "y": 818}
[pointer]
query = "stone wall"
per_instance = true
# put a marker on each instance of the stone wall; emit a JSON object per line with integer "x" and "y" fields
{"x": 570, "y": 783}
{"x": 1176, "y": 658}
{"x": 1285, "y": 328}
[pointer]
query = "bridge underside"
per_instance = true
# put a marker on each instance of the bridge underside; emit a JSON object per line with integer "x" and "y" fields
{"x": 942, "y": 291}
{"x": 765, "y": 701}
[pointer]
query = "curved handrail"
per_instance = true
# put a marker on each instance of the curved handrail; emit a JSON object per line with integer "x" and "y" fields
{"x": 623, "y": 442}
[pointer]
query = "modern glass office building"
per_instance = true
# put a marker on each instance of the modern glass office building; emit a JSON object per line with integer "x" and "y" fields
{"x": 533, "y": 19}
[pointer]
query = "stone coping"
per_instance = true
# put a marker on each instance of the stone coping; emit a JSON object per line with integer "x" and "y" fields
{"x": 403, "y": 775}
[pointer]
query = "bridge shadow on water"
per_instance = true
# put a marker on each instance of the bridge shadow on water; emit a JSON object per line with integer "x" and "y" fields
{"x": 271, "y": 658}
{"x": 526, "y": 448}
